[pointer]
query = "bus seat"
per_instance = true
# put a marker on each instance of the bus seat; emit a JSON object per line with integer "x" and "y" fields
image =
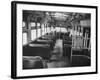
{"x": 43, "y": 51}
{"x": 67, "y": 50}
{"x": 30, "y": 62}
{"x": 80, "y": 61}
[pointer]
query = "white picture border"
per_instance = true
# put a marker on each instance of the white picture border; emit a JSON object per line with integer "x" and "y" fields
{"x": 51, "y": 71}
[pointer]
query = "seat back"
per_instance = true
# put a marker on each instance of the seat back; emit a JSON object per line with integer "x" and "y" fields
{"x": 80, "y": 61}
{"x": 30, "y": 62}
{"x": 44, "y": 52}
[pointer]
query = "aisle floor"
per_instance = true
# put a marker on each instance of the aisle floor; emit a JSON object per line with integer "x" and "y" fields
{"x": 57, "y": 58}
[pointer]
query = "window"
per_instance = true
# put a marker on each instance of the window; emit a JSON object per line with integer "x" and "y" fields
{"x": 52, "y": 29}
{"x": 38, "y": 32}
{"x": 38, "y": 24}
{"x": 25, "y": 38}
{"x": 24, "y": 33}
{"x": 45, "y": 30}
{"x": 32, "y": 24}
{"x": 48, "y": 29}
{"x": 23, "y": 24}
{"x": 42, "y": 27}
{"x": 63, "y": 30}
{"x": 57, "y": 29}
{"x": 33, "y": 34}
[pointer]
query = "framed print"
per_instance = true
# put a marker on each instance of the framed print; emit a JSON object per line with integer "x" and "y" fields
{"x": 53, "y": 39}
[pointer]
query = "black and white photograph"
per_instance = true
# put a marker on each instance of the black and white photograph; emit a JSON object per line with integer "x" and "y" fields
{"x": 56, "y": 39}
{"x": 53, "y": 37}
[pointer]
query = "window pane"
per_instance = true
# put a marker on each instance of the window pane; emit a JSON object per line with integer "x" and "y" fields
{"x": 42, "y": 26}
{"x": 33, "y": 34}
{"x": 85, "y": 22}
{"x": 23, "y": 24}
{"x": 57, "y": 29}
{"x": 48, "y": 29}
{"x": 52, "y": 29}
{"x": 32, "y": 24}
{"x": 45, "y": 30}
{"x": 24, "y": 38}
{"x": 38, "y": 32}
{"x": 38, "y": 24}
{"x": 63, "y": 30}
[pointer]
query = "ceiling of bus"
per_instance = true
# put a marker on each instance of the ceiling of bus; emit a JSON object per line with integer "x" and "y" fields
{"x": 60, "y": 18}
